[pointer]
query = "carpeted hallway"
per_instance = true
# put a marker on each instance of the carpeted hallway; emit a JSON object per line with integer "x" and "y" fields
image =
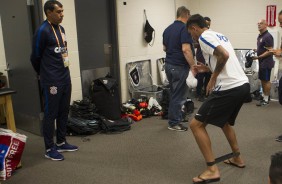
{"x": 151, "y": 154}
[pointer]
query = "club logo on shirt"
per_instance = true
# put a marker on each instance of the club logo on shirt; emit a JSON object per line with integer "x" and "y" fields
{"x": 60, "y": 49}
{"x": 53, "y": 90}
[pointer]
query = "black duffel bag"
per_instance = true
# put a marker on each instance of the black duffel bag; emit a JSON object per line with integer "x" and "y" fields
{"x": 105, "y": 96}
{"x": 116, "y": 126}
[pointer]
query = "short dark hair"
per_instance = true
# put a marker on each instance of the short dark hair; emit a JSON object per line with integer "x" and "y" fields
{"x": 207, "y": 19}
{"x": 275, "y": 170}
{"x": 280, "y": 13}
{"x": 182, "y": 11}
{"x": 198, "y": 20}
{"x": 49, "y": 5}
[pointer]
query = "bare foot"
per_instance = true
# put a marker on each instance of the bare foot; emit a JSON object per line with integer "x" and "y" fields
{"x": 208, "y": 176}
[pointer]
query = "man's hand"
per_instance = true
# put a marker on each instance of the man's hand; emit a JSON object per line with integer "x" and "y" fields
{"x": 210, "y": 85}
{"x": 200, "y": 68}
{"x": 255, "y": 57}
{"x": 276, "y": 52}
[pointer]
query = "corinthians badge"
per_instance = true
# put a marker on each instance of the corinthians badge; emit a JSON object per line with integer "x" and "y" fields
{"x": 53, "y": 90}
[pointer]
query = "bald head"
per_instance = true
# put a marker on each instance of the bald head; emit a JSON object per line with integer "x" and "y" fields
{"x": 280, "y": 19}
{"x": 262, "y": 25}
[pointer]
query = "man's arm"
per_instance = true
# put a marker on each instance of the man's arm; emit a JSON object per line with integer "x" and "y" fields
{"x": 38, "y": 45}
{"x": 265, "y": 54}
{"x": 276, "y": 52}
{"x": 222, "y": 56}
{"x": 188, "y": 54}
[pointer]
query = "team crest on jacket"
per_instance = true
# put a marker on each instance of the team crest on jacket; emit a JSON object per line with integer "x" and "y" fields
{"x": 53, "y": 90}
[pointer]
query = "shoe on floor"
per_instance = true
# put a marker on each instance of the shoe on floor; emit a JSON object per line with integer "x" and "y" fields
{"x": 179, "y": 128}
{"x": 53, "y": 154}
{"x": 66, "y": 147}
{"x": 262, "y": 103}
{"x": 279, "y": 138}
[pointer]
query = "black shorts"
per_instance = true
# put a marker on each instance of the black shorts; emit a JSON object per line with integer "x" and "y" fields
{"x": 222, "y": 107}
{"x": 264, "y": 74}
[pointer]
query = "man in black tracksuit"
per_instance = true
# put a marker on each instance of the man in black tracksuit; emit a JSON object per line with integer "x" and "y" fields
{"x": 49, "y": 59}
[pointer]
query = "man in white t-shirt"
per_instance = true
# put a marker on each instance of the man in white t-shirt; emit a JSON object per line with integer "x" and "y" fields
{"x": 228, "y": 88}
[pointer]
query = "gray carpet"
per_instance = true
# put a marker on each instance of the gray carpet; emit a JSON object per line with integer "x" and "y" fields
{"x": 152, "y": 154}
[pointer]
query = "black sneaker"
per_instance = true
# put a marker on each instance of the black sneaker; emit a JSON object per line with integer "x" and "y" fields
{"x": 279, "y": 138}
{"x": 179, "y": 128}
{"x": 262, "y": 103}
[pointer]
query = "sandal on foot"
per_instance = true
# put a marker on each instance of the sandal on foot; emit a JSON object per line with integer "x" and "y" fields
{"x": 229, "y": 162}
{"x": 204, "y": 181}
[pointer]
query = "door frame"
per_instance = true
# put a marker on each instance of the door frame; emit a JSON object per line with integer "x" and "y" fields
{"x": 89, "y": 71}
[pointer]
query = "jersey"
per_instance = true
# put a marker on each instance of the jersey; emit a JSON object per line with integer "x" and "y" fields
{"x": 232, "y": 74}
{"x": 46, "y": 57}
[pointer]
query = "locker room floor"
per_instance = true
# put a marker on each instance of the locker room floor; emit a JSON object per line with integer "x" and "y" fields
{"x": 151, "y": 154}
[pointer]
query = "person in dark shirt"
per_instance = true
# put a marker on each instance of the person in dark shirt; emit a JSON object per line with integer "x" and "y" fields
{"x": 177, "y": 44}
{"x": 266, "y": 62}
{"x": 278, "y": 53}
{"x": 49, "y": 59}
{"x": 275, "y": 169}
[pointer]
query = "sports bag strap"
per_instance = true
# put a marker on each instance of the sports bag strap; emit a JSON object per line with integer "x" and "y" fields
{"x": 145, "y": 14}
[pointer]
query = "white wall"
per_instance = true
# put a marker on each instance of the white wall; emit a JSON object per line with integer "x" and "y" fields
{"x": 236, "y": 19}
{"x": 132, "y": 46}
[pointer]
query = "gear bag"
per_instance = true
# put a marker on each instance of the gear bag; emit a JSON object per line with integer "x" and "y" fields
{"x": 113, "y": 127}
{"x": 105, "y": 96}
{"x": 149, "y": 31}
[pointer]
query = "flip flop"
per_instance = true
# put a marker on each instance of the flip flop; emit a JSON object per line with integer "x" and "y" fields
{"x": 233, "y": 164}
{"x": 205, "y": 181}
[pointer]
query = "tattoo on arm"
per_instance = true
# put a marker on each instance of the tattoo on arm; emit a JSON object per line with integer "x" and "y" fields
{"x": 222, "y": 57}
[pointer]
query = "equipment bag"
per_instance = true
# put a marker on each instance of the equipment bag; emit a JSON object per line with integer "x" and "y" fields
{"x": 105, "y": 96}
{"x": 149, "y": 32}
{"x": 117, "y": 126}
{"x": 78, "y": 126}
